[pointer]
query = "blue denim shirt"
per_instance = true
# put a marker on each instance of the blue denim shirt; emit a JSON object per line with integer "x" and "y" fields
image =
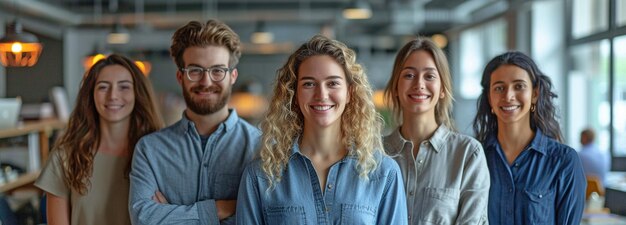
{"x": 190, "y": 176}
{"x": 545, "y": 184}
{"x": 298, "y": 199}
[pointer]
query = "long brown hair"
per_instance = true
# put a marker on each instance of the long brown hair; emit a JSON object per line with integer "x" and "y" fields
{"x": 82, "y": 136}
{"x": 443, "y": 109}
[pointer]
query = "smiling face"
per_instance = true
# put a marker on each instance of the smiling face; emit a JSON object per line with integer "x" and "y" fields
{"x": 322, "y": 92}
{"x": 419, "y": 85}
{"x": 511, "y": 95}
{"x": 205, "y": 96}
{"x": 114, "y": 94}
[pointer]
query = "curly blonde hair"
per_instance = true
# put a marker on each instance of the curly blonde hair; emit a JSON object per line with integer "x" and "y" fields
{"x": 360, "y": 123}
{"x": 443, "y": 109}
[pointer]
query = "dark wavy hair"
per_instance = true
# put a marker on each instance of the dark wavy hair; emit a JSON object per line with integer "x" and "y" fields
{"x": 543, "y": 118}
{"x": 81, "y": 139}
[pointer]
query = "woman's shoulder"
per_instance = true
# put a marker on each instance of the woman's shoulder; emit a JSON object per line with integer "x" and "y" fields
{"x": 561, "y": 151}
{"x": 462, "y": 143}
{"x": 464, "y": 138}
{"x": 57, "y": 154}
{"x": 386, "y": 164}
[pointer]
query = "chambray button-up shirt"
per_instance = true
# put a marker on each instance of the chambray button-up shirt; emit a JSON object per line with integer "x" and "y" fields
{"x": 298, "y": 198}
{"x": 190, "y": 176}
{"x": 544, "y": 185}
{"x": 448, "y": 181}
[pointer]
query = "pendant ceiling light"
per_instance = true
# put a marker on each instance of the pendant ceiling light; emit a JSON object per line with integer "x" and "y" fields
{"x": 19, "y": 48}
{"x": 118, "y": 35}
{"x": 261, "y": 35}
{"x": 358, "y": 10}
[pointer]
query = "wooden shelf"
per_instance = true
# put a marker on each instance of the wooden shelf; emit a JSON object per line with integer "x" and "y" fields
{"x": 32, "y": 126}
{"x": 38, "y": 133}
{"x": 22, "y": 180}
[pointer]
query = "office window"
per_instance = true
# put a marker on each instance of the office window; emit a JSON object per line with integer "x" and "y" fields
{"x": 589, "y": 17}
{"x": 621, "y": 12}
{"x": 587, "y": 94}
{"x": 478, "y": 46}
{"x": 619, "y": 96}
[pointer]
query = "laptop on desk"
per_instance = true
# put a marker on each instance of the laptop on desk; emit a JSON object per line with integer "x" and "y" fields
{"x": 9, "y": 112}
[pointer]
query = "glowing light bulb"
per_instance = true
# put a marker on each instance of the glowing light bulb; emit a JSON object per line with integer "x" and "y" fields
{"x": 97, "y": 58}
{"x": 16, "y": 47}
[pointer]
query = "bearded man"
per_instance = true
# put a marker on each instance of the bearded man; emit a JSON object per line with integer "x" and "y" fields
{"x": 189, "y": 173}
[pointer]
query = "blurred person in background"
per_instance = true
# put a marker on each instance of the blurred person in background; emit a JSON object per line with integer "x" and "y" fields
{"x": 595, "y": 162}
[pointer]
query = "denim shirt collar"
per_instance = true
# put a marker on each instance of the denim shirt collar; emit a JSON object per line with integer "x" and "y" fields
{"x": 438, "y": 140}
{"x": 537, "y": 144}
{"x": 186, "y": 125}
{"x": 295, "y": 150}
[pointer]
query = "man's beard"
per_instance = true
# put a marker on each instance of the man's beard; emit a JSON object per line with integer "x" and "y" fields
{"x": 204, "y": 106}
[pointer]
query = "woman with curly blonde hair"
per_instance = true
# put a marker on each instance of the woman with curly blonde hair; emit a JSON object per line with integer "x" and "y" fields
{"x": 321, "y": 138}
{"x": 86, "y": 176}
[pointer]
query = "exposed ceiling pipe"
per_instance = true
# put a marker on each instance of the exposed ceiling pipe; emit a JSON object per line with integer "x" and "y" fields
{"x": 305, "y": 9}
{"x": 464, "y": 11}
{"x": 43, "y": 10}
{"x": 113, "y": 6}
{"x": 97, "y": 10}
{"x": 171, "y": 8}
{"x": 63, "y": 17}
{"x": 139, "y": 10}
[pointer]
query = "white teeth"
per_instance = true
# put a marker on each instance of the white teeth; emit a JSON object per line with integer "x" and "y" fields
{"x": 509, "y": 108}
{"x": 114, "y": 107}
{"x": 419, "y": 96}
{"x": 322, "y": 108}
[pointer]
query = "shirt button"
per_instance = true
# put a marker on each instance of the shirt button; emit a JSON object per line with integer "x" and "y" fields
{"x": 424, "y": 143}
{"x": 540, "y": 196}
{"x": 421, "y": 161}
{"x": 510, "y": 189}
{"x": 330, "y": 186}
{"x": 411, "y": 193}
{"x": 205, "y": 165}
{"x": 409, "y": 217}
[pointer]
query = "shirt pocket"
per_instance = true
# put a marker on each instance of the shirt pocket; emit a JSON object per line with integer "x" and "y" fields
{"x": 226, "y": 186}
{"x": 357, "y": 214}
{"x": 540, "y": 205}
{"x": 285, "y": 215}
{"x": 440, "y": 205}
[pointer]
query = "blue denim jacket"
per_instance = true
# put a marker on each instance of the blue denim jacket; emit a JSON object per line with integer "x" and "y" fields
{"x": 545, "y": 184}
{"x": 190, "y": 176}
{"x": 298, "y": 199}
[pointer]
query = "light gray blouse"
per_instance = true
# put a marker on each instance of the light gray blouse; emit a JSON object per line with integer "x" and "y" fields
{"x": 448, "y": 181}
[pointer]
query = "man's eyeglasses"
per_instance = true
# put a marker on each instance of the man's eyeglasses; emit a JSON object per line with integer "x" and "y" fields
{"x": 195, "y": 73}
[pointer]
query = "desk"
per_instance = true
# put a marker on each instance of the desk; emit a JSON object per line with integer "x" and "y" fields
{"x": 603, "y": 219}
{"x": 615, "y": 194}
{"x": 38, "y": 146}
